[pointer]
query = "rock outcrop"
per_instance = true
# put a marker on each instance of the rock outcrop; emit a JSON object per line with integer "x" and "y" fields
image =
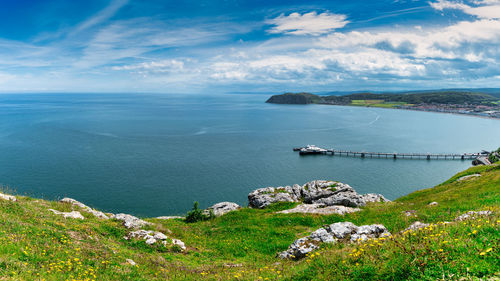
{"x": 472, "y": 214}
{"x": 468, "y": 177}
{"x": 8, "y": 197}
{"x": 169, "y": 217}
{"x": 415, "y": 226}
{"x": 221, "y": 208}
{"x": 321, "y": 209}
{"x": 73, "y": 214}
{"x": 328, "y": 193}
{"x": 130, "y": 221}
{"x": 152, "y": 237}
{"x": 86, "y": 208}
{"x": 341, "y": 231}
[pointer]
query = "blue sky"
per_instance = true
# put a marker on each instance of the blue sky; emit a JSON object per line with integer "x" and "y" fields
{"x": 250, "y": 46}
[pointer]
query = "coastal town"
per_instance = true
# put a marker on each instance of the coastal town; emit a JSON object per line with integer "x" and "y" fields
{"x": 468, "y": 103}
{"x": 491, "y": 110}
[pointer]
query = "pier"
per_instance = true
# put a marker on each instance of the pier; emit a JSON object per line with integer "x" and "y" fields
{"x": 311, "y": 149}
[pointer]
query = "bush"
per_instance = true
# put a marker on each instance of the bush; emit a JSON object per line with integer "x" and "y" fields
{"x": 493, "y": 158}
{"x": 197, "y": 215}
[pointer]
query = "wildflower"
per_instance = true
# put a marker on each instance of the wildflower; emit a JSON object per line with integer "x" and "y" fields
{"x": 489, "y": 250}
{"x": 482, "y": 253}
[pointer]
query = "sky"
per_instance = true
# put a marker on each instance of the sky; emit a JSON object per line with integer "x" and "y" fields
{"x": 219, "y": 46}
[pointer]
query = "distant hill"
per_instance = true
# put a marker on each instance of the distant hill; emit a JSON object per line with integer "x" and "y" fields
{"x": 437, "y": 97}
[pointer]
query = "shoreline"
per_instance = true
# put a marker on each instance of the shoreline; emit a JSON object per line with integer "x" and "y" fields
{"x": 408, "y": 109}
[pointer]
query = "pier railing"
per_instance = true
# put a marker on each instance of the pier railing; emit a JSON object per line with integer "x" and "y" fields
{"x": 394, "y": 155}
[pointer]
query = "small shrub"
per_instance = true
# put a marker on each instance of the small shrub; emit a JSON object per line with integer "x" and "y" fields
{"x": 493, "y": 158}
{"x": 197, "y": 215}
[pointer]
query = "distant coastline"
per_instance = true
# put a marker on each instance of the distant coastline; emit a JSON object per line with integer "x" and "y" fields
{"x": 463, "y": 103}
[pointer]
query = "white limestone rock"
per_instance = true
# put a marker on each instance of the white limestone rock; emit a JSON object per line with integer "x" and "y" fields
{"x": 179, "y": 243}
{"x": 8, "y": 197}
{"x": 468, "y": 177}
{"x": 263, "y": 197}
{"x": 320, "y": 209}
{"x": 131, "y": 262}
{"x": 432, "y": 204}
{"x": 222, "y": 208}
{"x": 416, "y": 225}
{"x": 370, "y": 231}
{"x": 347, "y": 197}
{"x": 73, "y": 214}
{"x": 342, "y": 230}
{"x": 86, "y": 208}
{"x": 130, "y": 221}
{"x": 169, "y": 217}
{"x": 149, "y": 236}
{"x": 299, "y": 248}
{"x": 329, "y": 193}
{"x": 374, "y": 197}
{"x": 322, "y": 235}
{"x": 472, "y": 214}
{"x": 315, "y": 190}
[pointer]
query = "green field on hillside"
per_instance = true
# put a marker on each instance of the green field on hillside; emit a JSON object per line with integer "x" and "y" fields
{"x": 377, "y": 103}
{"x": 35, "y": 244}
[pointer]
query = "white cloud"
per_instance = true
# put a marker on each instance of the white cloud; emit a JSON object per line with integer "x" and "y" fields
{"x": 154, "y": 66}
{"x": 307, "y": 24}
{"x": 487, "y": 9}
{"x": 103, "y": 15}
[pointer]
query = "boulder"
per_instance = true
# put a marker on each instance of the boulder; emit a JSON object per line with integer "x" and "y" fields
{"x": 150, "y": 236}
{"x": 179, "y": 243}
{"x": 8, "y": 197}
{"x": 341, "y": 231}
{"x": 130, "y": 221}
{"x": 468, "y": 177}
{"x": 432, "y": 204}
{"x": 329, "y": 193}
{"x": 365, "y": 232}
{"x": 322, "y": 235}
{"x": 221, "y": 208}
{"x": 315, "y": 190}
{"x": 131, "y": 262}
{"x": 374, "y": 197}
{"x": 86, "y": 208}
{"x": 348, "y": 198}
{"x": 472, "y": 214}
{"x": 416, "y": 225}
{"x": 73, "y": 215}
{"x": 263, "y": 197}
{"x": 299, "y": 248}
{"x": 321, "y": 209}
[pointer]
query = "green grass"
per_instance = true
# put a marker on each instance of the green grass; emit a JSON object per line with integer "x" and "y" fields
{"x": 242, "y": 245}
{"x": 377, "y": 103}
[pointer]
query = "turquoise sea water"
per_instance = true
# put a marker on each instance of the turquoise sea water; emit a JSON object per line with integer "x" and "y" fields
{"x": 152, "y": 155}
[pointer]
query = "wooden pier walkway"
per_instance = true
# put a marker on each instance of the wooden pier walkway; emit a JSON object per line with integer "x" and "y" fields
{"x": 363, "y": 154}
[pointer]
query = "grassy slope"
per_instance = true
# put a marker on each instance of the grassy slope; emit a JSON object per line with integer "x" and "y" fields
{"x": 35, "y": 244}
{"x": 376, "y": 103}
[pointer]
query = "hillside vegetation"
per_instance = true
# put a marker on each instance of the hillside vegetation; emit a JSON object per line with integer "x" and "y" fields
{"x": 36, "y": 244}
{"x": 439, "y": 97}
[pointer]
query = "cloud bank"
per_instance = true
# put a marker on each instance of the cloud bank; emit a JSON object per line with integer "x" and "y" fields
{"x": 289, "y": 51}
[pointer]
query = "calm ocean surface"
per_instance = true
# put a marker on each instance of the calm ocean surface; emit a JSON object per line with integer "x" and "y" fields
{"x": 152, "y": 155}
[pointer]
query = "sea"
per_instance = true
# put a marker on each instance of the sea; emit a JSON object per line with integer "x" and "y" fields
{"x": 155, "y": 154}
